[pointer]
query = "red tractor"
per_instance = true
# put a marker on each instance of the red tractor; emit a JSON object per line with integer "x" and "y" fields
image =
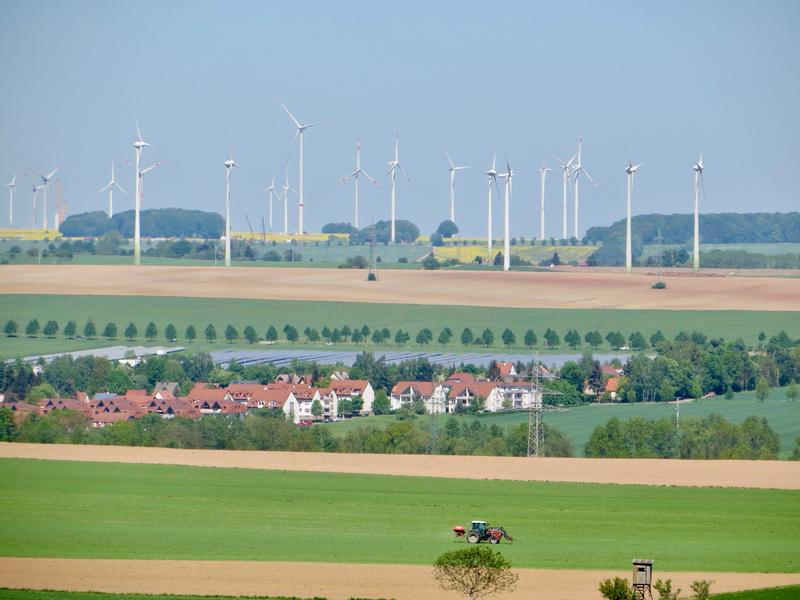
{"x": 479, "y": 531}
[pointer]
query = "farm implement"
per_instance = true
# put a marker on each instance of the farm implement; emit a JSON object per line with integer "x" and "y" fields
{"x": 480, "y": 531}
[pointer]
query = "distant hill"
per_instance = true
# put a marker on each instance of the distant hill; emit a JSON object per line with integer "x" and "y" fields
{"x": 717, "y": 228}
{"x": 155, "y": 222}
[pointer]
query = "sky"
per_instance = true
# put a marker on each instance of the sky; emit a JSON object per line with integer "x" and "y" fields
{"x": 654, "y": 82}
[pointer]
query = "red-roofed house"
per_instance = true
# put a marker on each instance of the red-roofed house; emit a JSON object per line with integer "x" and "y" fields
{"x": 408, "y": 392}
{"x": 349, "y": 389}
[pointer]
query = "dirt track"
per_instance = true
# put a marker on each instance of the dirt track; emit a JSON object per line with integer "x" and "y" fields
{"x": 580, "y": 289}
{"x": 696, "y": 473}
{"x": 334, "y": 581}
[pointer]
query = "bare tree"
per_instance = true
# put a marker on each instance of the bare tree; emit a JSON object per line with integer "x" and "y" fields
{"x": 475, "y": 572}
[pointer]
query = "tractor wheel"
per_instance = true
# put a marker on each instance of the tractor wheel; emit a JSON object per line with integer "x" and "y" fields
{"x": 473, "y": 537}
{"x": 494, "y": 540}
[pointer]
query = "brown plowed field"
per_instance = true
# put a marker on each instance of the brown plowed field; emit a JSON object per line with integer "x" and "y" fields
{"x": 697, "y": 473}
{"x": 307, "y": 579}
{"x": 579, "y": 289}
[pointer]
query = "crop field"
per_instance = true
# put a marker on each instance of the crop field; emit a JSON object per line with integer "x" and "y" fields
{"x": 534, "y": 254}
{"x": 11, "y": 594}
{"x": 94, "y": 510}
{"x": 577, "y": 423}
{"x": 262, "y": 313}
{"x": 768, "y": 249}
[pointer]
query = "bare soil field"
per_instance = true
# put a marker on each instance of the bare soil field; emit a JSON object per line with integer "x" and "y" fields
{"x": 307, "y": 579}
{"x": 694, "y": 473}
{"x": 577, "y": 289}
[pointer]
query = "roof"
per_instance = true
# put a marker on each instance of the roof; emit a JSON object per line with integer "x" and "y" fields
{"x": 201, "y": 392}
{"x": 462, "y": 377}
{"x": 612, "y": 385}
{"x": 348, "y": 386}
{"x": 420, "y": 388}
{"x": 505, "y": 367}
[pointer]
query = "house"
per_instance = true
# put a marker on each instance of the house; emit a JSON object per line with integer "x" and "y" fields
{"x": 303, "y": 399}
{"x": 50, "y": 404}
{"x": 292, "y": 378}
{"x": 176, "y": 407}
{"x": 463, "y": 394}
{"x": 517, "y": 395}
{"x": 506, "y": 369}
{"x": 407, "y": 392}
{"x": 349, "y": 389}
{"x": 101, "y": 419}
{"x": 203, "y": 392}
{"x": 223, "y": 406}
{"x": 612, "y": 387}
{"x": 610, "y": 370}
{"x": 170, "y": 386}
{"x": 339, "y": 375}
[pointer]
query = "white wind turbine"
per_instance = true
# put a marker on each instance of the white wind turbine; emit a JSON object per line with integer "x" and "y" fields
{"x": 110, "y": 187}
{"x": 285, "y": 196}
{"x": 565, "y": 175}
{"x": 355, "y": 176}
{"x": 138, "y": 145}
{"x": 453, "y": 169}
{"x": 577, "y": 171}
{"x": 631, "y": 171}
{"x": 301, "y": 128}
{"x": 36, "y": 189}
{"x": 492, "y": 175}
{"x": 542, "y": 176}
{"x": 11, "y": 185}
{"x": 394, "y": 165}
{"x": 45, "y": 186}
{"x": 229, "y": 164}
{"x": 507, "y": 221}
{"x": 698, "y": 176}
{"x": 270, "y": 191}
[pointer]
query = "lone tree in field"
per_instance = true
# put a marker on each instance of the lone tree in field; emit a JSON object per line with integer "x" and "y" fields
{"x": 10, "y": 328}
{"x": 151, "y": 332}
{"x": 475, "y": 572}
{"x": 90, "y": 330}
{"x": 131, "y": 331}
{"x": 467, "y": 336}
{"x": 70, "y": 329}
{"x": 191, "y": 333}
{"x": 211, "y": 333}
{"x": 272, "y": 334}
{"x": 170, "y": 333}
{"x": 762, "y": 390}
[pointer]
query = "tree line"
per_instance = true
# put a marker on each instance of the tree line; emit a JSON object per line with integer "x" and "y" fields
{"x": 155, "y": 223}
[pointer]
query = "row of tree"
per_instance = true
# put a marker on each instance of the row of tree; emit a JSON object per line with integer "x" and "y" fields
{"x": 155, "y": 223}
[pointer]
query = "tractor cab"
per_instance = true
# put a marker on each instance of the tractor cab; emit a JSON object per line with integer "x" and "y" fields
{"x": 479, "y": 526}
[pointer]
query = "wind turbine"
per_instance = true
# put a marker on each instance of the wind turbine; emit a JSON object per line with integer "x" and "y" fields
{"x": 138, "y": 145}
{"x": 285, "y": 194}
{"x": 394, "y": 165}
{"x": 355, "y": 175}
{"x": 492, "y": 175}
{"x": 543, "y": 175}
{"x": 507, "y": 233}
{"x": 229, "y": 164}
{"x": 36, "y": 189}
{"x": 11, "y": 185}
{"x": 45, "y": 185}
{"x": 566, "y": 174}
{"x": 301, "y": 128}
{"x": 110, "y": 187}
{"x": 631, "y": 171}
{"x": 453, "y": 169}
{"x": 270, "y": 190}
{"x": 577, "y": 171}
{"x": 698, "y": 176}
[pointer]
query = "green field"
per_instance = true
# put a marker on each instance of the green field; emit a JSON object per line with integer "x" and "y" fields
{"x": 789, "y": 592}
{"x": 262, "y": 313}
{"x": 578, "y": 422}
{"x": 99, "y": 510}
{"x": 768, "y": 249}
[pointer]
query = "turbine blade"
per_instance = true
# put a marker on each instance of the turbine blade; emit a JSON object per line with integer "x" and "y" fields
{"x": 120, "y": 188}
{"x": 450, "y": 160}
{"x": 291, "y": 116}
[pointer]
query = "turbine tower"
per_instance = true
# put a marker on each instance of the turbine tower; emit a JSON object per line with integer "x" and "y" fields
{"x": 36, "y": 189}
{"x": 698, "y": 176}
{"x": 394, "y": 165}
{"x": 542, "y": 175}
{"x": 138, "y": 145}
{"x": 301, "y": 128}
{"x": 269, "y": 191}
{"x": 285, "y": 195}
{"x": 492, "y": 175}
{"x": 11, "y": 185}
{"x": 631, "y": 171}
{"x": 507, "y": 221}
{"x": 355, "y": 175}
{"x": 45, "y": 185}
{"x": 453, "y": 169}
{"x": 229, "y": 164}
{"x": 110, "y": 187}
{"x": 577, "y": 171}
{"x": 566, "y": 174}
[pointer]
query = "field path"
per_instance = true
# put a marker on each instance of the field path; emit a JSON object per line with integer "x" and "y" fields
{"x": 694, "y": 473}
{"x": 331, "y": 580}
{"x": 578, "y": 289}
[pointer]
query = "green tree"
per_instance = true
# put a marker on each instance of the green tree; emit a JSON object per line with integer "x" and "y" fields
{"x": 8, "y": 427}
{"x": 425, "y": 336}
{"x": 346, "y": 332}
{"x": 377, "y": 336}
{"x": 357, "y": 336}
{"x": 292, "y": 334}
{"x": 551, "y": 338}
{"x": 231, "y": 333}
{"x": 762, "y": 389}
{"x": 701, "y": 589}
{"x": 190, "y": 334}
{"x": 313, "y": 335}
{"x": 316, "y": 408}
{"x": 10, "y": 328}
{"x": 272, "y": 334}
{"x": 326, "y": 333}
{"x": 573, "y": 338}
{"x": 365, "y": 331}
{"x": 447, "y": 229}
{"x": 636, "y": 341}
{"x": 32, "y": 329}
{"x": 508, "y": 337}
{"x": 656, "y": 338}
{"x": 336, "y": 335}
{"x": 488, "y": 337}
{"x": 71, "y": 329}
{"x": 665, "y": 591}
{"x": 467, "y": 336}
{"x": 250, "y": 334}
{"x": 792, "y": 391}
{"x": 50, "y": 328}
{"x": 89, "y": 330}
{"x": 594, "y": 339}
{"x": 211, "y": 333}
{"x": 474, "y": 572}
{"x": 530, "y": 339}
{"x": 151, "y": 332}
{"x": 380, "y": 405}
{"x": 110, "y": 331}
{"x": 401, "y": 337}
{"x": 170, "y": 333}
{"x": 617, "y": 589}
{"x": 40, "y": 392}
{"x": 131, "y": 331}
{"x": 445, "y": 336}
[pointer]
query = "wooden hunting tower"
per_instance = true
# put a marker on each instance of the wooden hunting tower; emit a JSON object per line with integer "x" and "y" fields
{"x": 643, "y": 578}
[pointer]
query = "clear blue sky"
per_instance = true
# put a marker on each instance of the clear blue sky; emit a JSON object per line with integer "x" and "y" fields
{"x": 654, "y": 81}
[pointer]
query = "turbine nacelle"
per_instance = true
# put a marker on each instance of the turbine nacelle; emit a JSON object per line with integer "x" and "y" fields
{"x": 698, "y": 166}
{"x": 631, "y": 168}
